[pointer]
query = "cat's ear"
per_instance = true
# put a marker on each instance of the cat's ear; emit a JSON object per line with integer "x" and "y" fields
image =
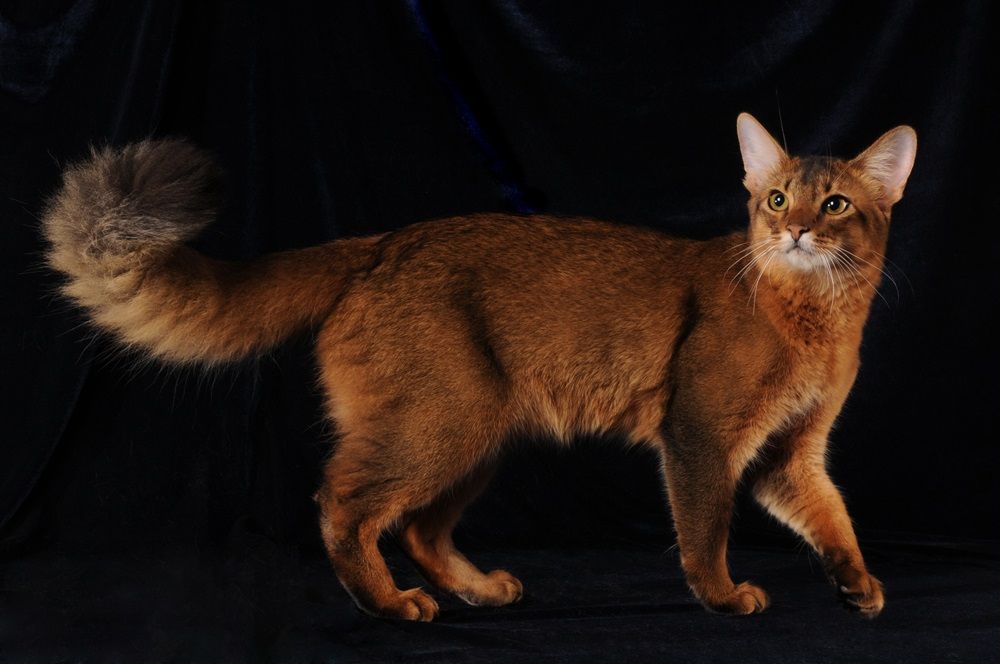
{"x": 888, "y": 162}
{"x": 761, "y": 153}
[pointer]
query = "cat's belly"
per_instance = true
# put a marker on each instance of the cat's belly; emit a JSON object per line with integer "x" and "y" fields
{"x": 634, "y": 415}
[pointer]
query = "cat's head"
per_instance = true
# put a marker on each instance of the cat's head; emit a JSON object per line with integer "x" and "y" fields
{"x": 808, "y": 213}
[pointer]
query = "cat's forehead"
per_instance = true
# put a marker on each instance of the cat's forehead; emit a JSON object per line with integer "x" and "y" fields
{"x": 815, "y": 174}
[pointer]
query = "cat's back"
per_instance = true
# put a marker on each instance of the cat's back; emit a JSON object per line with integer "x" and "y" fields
{"x": 527, "y": 247}
{"x": 533, "y": 280}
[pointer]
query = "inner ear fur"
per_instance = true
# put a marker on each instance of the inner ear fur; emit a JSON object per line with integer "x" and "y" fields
{"x": 762, "y": 155}
{"x": 888, "y": 161}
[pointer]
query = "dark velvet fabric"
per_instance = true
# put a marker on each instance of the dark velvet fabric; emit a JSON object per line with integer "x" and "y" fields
{"x": 161, "y": 514}
{"x": 255, "y": 601}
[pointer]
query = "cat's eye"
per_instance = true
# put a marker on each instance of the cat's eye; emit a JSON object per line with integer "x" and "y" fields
{"x": 835, "y": 205}
{"x": 777, "y": 201}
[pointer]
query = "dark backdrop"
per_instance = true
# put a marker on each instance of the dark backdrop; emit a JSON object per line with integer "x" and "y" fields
{"x": 167, "y": 512}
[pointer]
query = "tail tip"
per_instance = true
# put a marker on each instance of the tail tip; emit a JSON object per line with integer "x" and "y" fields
{"x": 149, "y": 194}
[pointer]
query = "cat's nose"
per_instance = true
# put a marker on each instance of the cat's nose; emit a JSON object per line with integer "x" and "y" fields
{"x": 797, "y": 230}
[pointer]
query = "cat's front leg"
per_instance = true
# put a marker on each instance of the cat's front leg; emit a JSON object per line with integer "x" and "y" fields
{"x": 793, "y": 485}
{"x": 701, "y": 470}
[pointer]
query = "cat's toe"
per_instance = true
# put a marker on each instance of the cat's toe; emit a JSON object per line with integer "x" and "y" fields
{"x": 864, "y": 594}
{"x": 413, "y": 604}
{"x": 508, "y": 588}
{"x": 498, "y": 588}
{"x": 745, "y": 598}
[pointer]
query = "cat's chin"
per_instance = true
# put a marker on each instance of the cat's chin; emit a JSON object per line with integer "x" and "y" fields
{"x": 802, "y": 259}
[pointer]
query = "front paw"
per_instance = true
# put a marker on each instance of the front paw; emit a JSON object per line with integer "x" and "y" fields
{"x": 856, "y": 588}
{"x": 413, "y": 604}
{"x": 863, "y": 593}
{"x": 741, "y": 600}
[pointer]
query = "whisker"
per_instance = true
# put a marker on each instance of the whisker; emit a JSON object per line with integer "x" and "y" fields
{"x": 763, "y": 269}
{"x": 877, "y": 267}
{"x": 850, "y": 257}
{"x": 833, "y": 287}
{"x": 735, "y": 247}
{"x": 840, "y": 277}
{"x": 746, "y": 246}
{"x": 751, "y": 256}
{"x": 840, "y": 261}
{"x": 735, "y": 281}
{"x": 829, "y": 162}
{"x": 746, "y": 253}
{"x": 781, "y": 121}
{"x": 901, "y": 271}
{"x": 851, "y": 269}
{"x": 743, "y": 255}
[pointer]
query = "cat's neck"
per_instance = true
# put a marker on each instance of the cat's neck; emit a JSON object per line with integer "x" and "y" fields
{"x": 825, "y": 304}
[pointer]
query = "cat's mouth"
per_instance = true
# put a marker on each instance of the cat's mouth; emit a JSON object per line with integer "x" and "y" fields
{"x": 801, "y": 256}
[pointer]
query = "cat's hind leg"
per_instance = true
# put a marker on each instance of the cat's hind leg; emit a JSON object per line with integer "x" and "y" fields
{"x": 399, "y": 469}
{"x": 427, "y": 540}
{"x": 361, "y": 497}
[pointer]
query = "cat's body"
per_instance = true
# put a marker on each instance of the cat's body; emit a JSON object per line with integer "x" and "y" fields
{"x": 440, "y": 343}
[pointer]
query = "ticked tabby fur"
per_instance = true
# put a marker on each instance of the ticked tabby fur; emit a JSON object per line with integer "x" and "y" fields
{"x": 439, "y": 343}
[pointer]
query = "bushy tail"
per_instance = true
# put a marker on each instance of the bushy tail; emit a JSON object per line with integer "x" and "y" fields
{"x": 117, "y": 227}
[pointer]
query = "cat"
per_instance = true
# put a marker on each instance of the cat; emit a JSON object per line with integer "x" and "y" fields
{"x": 440, "y": 342}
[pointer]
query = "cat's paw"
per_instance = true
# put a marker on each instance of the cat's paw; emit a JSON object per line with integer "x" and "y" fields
{"x": 745, "y": 598}
{"x": 498, "y": 588}
{"x": 413, "y": 604}
{"x": 856, "y": 588}
{"x": 863, "y": 593}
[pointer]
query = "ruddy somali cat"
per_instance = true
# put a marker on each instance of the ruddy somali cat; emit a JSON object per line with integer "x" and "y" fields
{"x": 440, "y": 342}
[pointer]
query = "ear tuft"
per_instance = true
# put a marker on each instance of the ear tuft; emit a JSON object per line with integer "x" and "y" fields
{"x": 889, "y": 161}
{"x": 761, "y": 153}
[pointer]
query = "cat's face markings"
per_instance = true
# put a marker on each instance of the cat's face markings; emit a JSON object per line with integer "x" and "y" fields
{"x": 811, "y": 214}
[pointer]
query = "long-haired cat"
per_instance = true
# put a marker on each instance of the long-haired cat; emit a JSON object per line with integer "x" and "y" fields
{"x": 439, "y": 343}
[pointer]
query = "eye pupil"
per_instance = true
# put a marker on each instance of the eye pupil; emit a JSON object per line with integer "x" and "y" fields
{"x": 835, "y": 205}
{"x": 777, "y": 201}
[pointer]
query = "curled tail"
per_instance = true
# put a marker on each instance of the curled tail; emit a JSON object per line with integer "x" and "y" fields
{"x": 117, "y": 227}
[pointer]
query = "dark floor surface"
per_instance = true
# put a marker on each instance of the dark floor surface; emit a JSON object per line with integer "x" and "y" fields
{"x": 267, "y": 603}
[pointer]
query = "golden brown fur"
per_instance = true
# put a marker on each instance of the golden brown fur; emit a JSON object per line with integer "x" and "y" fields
{"x": 441, "y": 342}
